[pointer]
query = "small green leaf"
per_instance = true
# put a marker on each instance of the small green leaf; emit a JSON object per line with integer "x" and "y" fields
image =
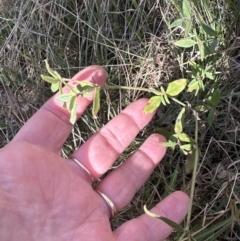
{"x": 73, "y": 116}
{"x": 96, "y": 101}
{"x": 204, "y": 50}
{"x": 214, "y": 45}
{"x": 176, "y": 23}
{"x": 52, "y": 72}
{"x": 187, "y": 28}
{"x": 208, "y": 30}
{"x": 65, "y": 97}
{"x": 83, "y": 84}
{"x": 73, "y": 109}
{"x": 211, "y": 116}
{"x": 166, "y": 99}
{"x": 185, "y": 43}
{"x": 179, "y": 122}
{"x": 168, "y": 144}
{"x": 153, "y": 103}
{"x": 84, "y": 88}
{"x": 163, "y": 101}
{"x": 54, "y": 87}
{"x": 214, "y": 99}
{"x": 176, "y": 87}
{"x": 162, "y": 90}
{"x": 186, "y": 6}
{"x": 193, "y": 85}
{"x": 163, "y": 132}
{"x": 209, "y": 75}
{"x": 73, "y": 102}
{"x": 184, "y": 137}
{"x": 60, "y": 88}
{"x": 164, "y": 219}
{"x": 186, "y": 147}
{"x": 49, "y": 79}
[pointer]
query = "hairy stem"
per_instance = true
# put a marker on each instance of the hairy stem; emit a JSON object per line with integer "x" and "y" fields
{"x": 133, "y": 88}
{"x": 196, "y": 159}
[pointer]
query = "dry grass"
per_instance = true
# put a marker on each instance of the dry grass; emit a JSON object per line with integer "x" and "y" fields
{"x": 133, "y": 43}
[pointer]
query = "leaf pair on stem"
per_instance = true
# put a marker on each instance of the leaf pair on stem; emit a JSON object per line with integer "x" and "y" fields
{"x": 69, "y": 99}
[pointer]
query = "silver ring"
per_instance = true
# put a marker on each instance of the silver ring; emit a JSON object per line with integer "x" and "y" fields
{"x": 84, "y": 168}
{"x": 109, "y": 202}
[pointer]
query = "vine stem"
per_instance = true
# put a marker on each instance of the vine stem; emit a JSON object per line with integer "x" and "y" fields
{"x": 108, "y": 87}
{"x": 177, "y": 101}
{"x": 196, "y": 159}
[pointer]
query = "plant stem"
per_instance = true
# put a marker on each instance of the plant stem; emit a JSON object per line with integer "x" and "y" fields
{"x": 132, "y": 88}
{"x": 63, "y": 80}
{"x": 196, "y": 158}
{"x": 177, "y": 101}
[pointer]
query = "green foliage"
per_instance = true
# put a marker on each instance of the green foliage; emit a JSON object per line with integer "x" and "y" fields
{"x": 201, "y": 94}
{"x": 174, "y": 88}
{"x": 185, "y": 43}
{"x": 96, "y": 101}
{"x": 153, "y": 103}
{"x": 69, "y": 100}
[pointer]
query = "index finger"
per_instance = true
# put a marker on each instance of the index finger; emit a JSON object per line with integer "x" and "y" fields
{"x": 50, "y": 126}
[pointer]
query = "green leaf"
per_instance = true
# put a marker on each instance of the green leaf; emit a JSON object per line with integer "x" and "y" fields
{"x": 208, "y": 30}
{"x": 186, "y": 6}
{"x": 66, "y": 97}
{"x": 96, "y": 101}
{"x": 49, "y": 79}
{"x": 83, "y": 84}
{"x": 54, "y": 87}
{"x": 176, "y": 23}
{"x": 168, "y": 144}
{"x": 166, "y": 99}
{"x": 84, "y": 88}
{"x": 73, "y": 109}
{"x": 179, "y": 122}
{"x": 193, "y": 85}
{"x": 162, "y": 90}
{"x": 187, "y": 28}
{"x": 164, "y": 219}
{"x": 153, "y": 103}
{"x": 204, "y": 50}
{"x": 176, "y": 87}
{"x": 163, "y": 101}
{"x": 214, "y": 45}
{"x": 214, "y": 99}
{"x": 60, "y": 88}
{"x": 184, "y": 137}
{"x": 163, "y": 132}
{"x": 52, "y": 72}
{"x": 185, "y": 43}
{"x": 209, "y": 75}
{"x": 211, "y": 116}
{"x": 186, "y": 147}
{"x": 73, "y": 102}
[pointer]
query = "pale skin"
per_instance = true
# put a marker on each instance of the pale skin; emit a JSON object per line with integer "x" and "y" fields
{"x": 46, "y": 197}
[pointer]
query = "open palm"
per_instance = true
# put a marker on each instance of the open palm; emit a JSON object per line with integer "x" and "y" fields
{"x": 46, "y": 197}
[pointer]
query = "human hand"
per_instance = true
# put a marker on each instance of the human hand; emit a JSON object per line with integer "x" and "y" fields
{"x": 46, "y": 197}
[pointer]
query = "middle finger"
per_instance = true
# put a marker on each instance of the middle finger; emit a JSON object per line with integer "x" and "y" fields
{"x": 101, "y": 150}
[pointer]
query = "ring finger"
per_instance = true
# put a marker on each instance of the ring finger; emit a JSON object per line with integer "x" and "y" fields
{"x": 104, "y": 147}
{"x": 122, "y": 184}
